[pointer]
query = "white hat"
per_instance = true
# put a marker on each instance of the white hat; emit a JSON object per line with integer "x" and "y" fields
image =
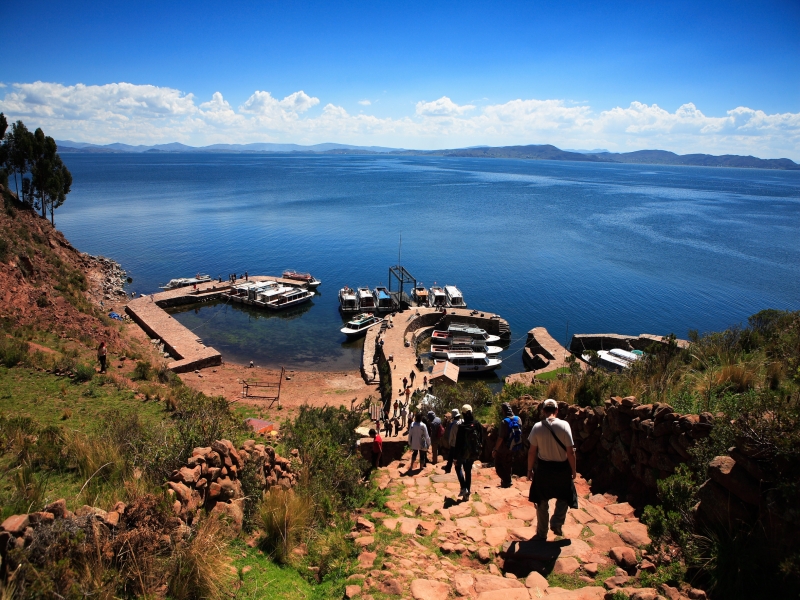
{"x": 454, "y": 412}
{"x": 550, "y": 403}
{"x": 466, "y": 408}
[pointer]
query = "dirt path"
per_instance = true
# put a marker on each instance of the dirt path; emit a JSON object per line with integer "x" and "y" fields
{"x": 315, "y": 388}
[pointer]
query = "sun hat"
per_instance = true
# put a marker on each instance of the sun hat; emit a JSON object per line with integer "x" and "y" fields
{"x": 466, "y": 408}
{"x": 550, "y": 403}
{"x": 431, "y": 414}
{"x": 455, "y": 412}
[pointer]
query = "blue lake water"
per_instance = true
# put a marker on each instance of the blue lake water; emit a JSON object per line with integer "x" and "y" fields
{"x": 574, "y": 247}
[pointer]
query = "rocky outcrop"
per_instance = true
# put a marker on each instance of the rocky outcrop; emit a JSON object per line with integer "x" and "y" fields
{"x": 211, "y": 478}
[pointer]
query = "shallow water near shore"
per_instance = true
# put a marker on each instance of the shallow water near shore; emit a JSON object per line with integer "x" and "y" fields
{"x": 574, "y": 247}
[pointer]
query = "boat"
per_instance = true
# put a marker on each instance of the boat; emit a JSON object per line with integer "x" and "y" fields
{"x": 455, "y": 299}
{"x": 462, "y": 331}
{"x": 615, "y": 359}
{"x": 306, "y": 278}
{"x": 185, "y": 281}
{"x": 468, "y": 343}
{"x": 473, "y": 362}
{"x": 383, "y": 300}
{"x": 348, "y": 301}
{"x": 366, "y": 302}
{"x": 437, "y": 297}
{"x": 420, "y": 295}
{"x": 358, "y": 326}
{"x": 459, "y": 329}
{"x": 287, "y": 297}
{"x": 442, "y": 351}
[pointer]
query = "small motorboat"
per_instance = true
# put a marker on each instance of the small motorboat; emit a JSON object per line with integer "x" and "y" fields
{"x": 383, "y": 300}
{"x": 348, "y": 301}
{"x": 287, "y": 297}
{"x": 185, "y": 281}
{"x": 465, "y": 343}
{"x": 455, "y": 299}
{"x": 306, "y": 278}
{"x": 458, "y": 330}
{"x": 359, "y": 325}
{"x": 421, "y": 295}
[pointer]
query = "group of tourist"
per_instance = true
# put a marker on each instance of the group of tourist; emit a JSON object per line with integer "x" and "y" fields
{"x": 551, "y": 463}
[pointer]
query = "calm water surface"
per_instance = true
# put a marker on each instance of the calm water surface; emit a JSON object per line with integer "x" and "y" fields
{"x": 574, "y": 247}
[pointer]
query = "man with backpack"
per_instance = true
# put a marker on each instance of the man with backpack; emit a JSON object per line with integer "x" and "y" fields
{"x": 552, "y": 470}
{"x": 509, "y": 445}
{"x": 468, "y": 446}
{"x": 450, "y": 436}
{"x": 436, "y": 430}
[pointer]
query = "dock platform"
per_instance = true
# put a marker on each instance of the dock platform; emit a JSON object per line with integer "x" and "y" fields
{"x": 185, "y": 347}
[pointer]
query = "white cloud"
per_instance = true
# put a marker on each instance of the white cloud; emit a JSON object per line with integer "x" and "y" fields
{"x": 364, "y": 102}
{"x": 443, "y": 107}
{"x": 145, "y": 114}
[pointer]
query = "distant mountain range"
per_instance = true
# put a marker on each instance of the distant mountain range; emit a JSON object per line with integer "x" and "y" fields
{"x": 532, "y": 152}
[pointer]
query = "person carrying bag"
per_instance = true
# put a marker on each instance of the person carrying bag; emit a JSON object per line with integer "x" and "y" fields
{"x": 553, "y": 456}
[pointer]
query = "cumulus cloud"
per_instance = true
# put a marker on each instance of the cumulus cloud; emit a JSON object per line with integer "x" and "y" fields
{"x": 364, "y": 102}
{"x": 443, "y": 107}
{"x": 150, "y": 114}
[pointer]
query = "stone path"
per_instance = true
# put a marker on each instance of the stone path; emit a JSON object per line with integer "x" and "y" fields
{"x": 428, "y": 547}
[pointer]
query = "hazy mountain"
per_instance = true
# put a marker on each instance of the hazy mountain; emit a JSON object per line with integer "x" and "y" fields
{"x": 531, "y": 152}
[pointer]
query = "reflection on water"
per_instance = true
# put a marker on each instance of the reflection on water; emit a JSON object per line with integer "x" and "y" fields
{"x": 270, "y": 338}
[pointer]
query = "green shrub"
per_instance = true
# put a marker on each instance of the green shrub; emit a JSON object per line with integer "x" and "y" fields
{"x": 83, "y": 372}
{"x": 285, "y": 519}
{"x": 12, "y": 351}
{"x": 200, "y": 568}
{"x": 143, "y": 371}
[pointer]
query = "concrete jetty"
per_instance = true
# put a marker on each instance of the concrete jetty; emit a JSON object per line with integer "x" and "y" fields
{"x": 405, "y": 329}
{"x": 581, "y": 342}
{"x": 185, "y": 347}
{"x": 542, "y": 354}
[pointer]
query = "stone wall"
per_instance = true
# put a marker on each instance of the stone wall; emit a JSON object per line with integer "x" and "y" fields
{"x": 211, "y": 480}
{"x": 624, "y": 445}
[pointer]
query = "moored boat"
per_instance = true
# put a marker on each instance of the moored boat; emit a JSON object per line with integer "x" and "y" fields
{"x": 472, "y": 362}
{"x": 366, "y": 301}
{"x": 437, "y": 297}
{"x": 348, "y": 301}
{"x": 306, "y": 278}
{"x": 186, "y": 281}
{"x": 383, "y": 300}
{"x": 288, "y": 297}
{"x": 466, "y": 343}
{"x": 420, "y": 295}
{"x": 359, "y": 325}
{"x": 455, "y": 299}
{"x": 462, "y": 330}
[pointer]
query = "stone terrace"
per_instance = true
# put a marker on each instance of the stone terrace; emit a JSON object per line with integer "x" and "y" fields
{"x": 428, "y": 547}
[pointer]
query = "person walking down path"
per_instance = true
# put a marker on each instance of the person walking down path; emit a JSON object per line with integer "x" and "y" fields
{"x": 396, "y": 403}
{"x": 418, "y": 441}
{"x": 405, "y": 383}
{"x": 403, "y": 414}
{"x": 102, "y": 355}
{"x": 436, "y": 431}
{"x": 552, "y": 470}
{"x": 377, "y": 448}
{"x": 469, "y": 443}
{"x": 413, "y": 376}
{"x": 450, "y": 434}
{"x": 509, "y": 445}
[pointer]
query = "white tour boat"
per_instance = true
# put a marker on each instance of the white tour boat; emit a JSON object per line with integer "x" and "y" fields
{"x": 468, "y": 343}
{"x": 306, "y": 278}
{"x": 455, "y": 299}
{"x": 473, "y": 362}
{"x": 438, "y": 298}
{"x": 287, "y": 297}
{"x": 383, "y": 300}
{"x": 420, "y": 295}
{"x": 348, "y": 301}
{"x": 366, "y": 301}
{"x": 463, "y": 330}
{"x": 358, "y": 326}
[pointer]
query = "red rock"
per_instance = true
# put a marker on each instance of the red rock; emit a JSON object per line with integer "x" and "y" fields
{"x": 363, "y": 524}
{"x": 616, "y": 581}
{"x": 515, "y": 594}
{"x": 366, "y": 559}
{"x": 484, "y": 554}
{"x": 112, "y": 519}
{"x": 188, "y": 475}
{"x": 392, "y": 587}
{"x": 647, "y": 566}
{"x": 463, "y": 583}
{"x": 16, "y": 524}
{"x": 624, "y": 556}
{"x": 408, "y": 526}
{"x": 351, "y": 591}
{"x": 37, "y": 518}
{"x": 233, "y": 513}
{"x": 591, "y": 568}
{"x": 364, "y": 541}
{"x": 495, "y": 535}
{"x": 605, "y": 541}
{"x": 426, "y": 527}
{"x": 622, "y": 509}
{"x": 566, "y": 566}
{"x": 446, "y": 547}
{"x": 429, "y": 589}
{"x": 488, "y": 583}
{"x": 725, "y": 471}
{"x": 644, "y": 594}
{"x": 58, "y": 508}
{"x": 535, "y": 581}
{"x": 633, "y": 533}
{"x": 696, "y": 594}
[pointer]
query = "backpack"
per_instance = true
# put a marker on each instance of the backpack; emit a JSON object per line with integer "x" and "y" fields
{"x": 439, "y": 431}
{"x": 514, "y": 433}
{"x": 473, "y": 441}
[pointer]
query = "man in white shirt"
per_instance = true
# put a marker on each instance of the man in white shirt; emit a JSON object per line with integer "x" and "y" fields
{"x": 419, "y": 441}
{"x": 551, "y": 443}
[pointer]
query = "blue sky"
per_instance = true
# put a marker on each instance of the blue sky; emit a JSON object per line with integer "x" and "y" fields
{"x": 575, "y": 74}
